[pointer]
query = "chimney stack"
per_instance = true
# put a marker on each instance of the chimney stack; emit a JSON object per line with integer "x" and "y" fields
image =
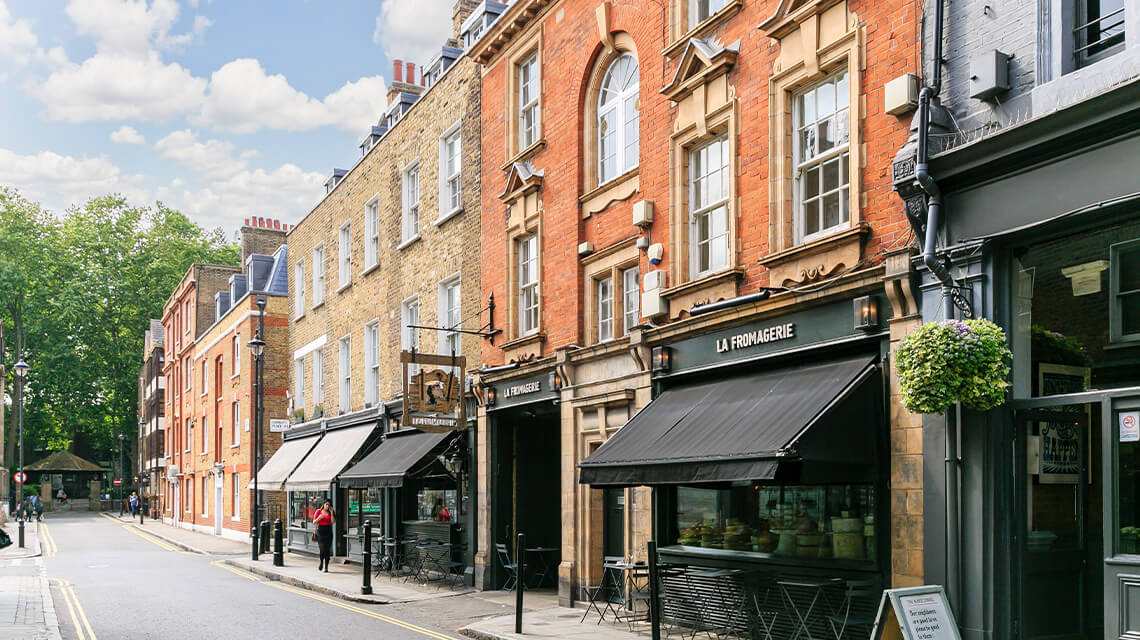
{"x": 403, "y": 80}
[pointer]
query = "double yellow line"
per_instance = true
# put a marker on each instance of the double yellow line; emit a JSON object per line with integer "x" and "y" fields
{"x": 336, "y": 603}
{"x": 162, "y": 544}
{"x": 47, "y": 542}
{"x": 78, "y": 617}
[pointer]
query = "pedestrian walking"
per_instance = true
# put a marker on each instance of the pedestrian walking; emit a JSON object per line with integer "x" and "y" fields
{"x": 61, "y": 495}
{"x": 324, "y": 520}
{"x": 37, "y": 507}
{"x": 133, "y": 501}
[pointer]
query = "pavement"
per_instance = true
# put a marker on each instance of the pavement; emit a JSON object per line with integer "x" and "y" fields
{"x": 27, "y": 611}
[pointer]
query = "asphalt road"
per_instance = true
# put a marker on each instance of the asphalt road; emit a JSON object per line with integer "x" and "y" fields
{"x": 110, "y": 582}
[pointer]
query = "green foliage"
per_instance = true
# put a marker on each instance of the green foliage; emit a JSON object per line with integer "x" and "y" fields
{"x": 87, "y": 285}
{"x": 941, "y": 363}
{"x": 1050, "y": 346}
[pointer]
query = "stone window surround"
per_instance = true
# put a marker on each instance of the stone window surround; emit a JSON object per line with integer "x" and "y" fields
{"x": 407, "y": 239}
{"x": 454, "y": 279}
{"x": 344, "y": 256}
{"x": 372, "y": 361}
{"x": 609, "y": 262}
{"x": 456, "y": 129}
{"x": 597, "y": 198}
{"x": 680, "y": 31}
{"x": 521, "y": 50}
{"x": 299, "y": 289}
{"x": 344, "y": 373}
{"x": 319, "y": 276}
{"x": 371, "y": 262}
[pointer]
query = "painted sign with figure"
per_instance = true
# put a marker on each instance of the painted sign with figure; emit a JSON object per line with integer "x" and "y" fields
{"x": 433, "y": 398}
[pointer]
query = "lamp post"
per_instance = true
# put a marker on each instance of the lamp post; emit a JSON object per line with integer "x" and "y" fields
{"x": 257, "y": 347}
{"x": 21, "y": 369}
{"x": 120, "y": 475}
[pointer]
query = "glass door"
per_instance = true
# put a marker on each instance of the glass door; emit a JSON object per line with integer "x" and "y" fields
{"x": 1122, "y": 523}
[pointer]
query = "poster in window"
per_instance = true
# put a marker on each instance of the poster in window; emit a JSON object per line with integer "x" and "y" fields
{"x": 1061, "y": 439}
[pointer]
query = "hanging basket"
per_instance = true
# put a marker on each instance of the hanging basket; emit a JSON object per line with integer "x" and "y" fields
{"x": 942, "y": 363}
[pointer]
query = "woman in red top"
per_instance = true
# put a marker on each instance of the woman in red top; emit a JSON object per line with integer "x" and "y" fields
{"x": 324, "y": 520}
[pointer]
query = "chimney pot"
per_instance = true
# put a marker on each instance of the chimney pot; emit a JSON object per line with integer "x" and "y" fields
{"x": 423, "y": 80}
{"x": 411, "y": 72}
{"x": 397, "y": 70}
{"x": 276, "y": 224}
{"x": 246, "y": 222}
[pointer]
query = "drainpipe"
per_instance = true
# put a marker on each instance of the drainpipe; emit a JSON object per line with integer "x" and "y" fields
{"x": 940, "y": 271}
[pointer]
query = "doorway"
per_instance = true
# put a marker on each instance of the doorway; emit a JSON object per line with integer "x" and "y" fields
{"x": 218, "y": 504}
{"x": 613, "y": 523}
{"x": 526, "y": 482}
{"x": 177, "y": 502}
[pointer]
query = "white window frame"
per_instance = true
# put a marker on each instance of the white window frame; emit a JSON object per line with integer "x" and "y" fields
{"x": 372, "y": 363}
{"x": 344, "y": 377}
{"x": 604, "y": 301}
{"x": 235, "y": 508}
{"x": 528, "y": 290}
{"x": 235, "y": 430}
{"x": 299, "y": 383}
{"x": 708, "y": 209}
{"x": 205, "y": 434}
{"x": 701, "y": 10}
{"x": 529, "y": 93}
{"x": 235, "y": 364}
{"x": 450, "y": 314}
{"x": 299, "y": 289}
{"x": 189, "y": 435}
{"x": 630, "y": 298}
{"x": 410, "y": 190}
{"x": 839, "y": 155}
{"x": 622, "y": 105}
{"x": 205, "y": 495}
{"x": 344, "y": 256}
{"x": 319, "y": 376}
{"x": 318, "y": 274}
{"x": 372, "y": 233}
{"x": 187, "y": 373}
{"x": 205, "y": 377}
{"x": 450, "y": 176}
{"x": 1116, "y": 308}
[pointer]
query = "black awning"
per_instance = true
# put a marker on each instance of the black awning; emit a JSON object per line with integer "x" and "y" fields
{"x": 745, "y": 428}
{"x": 387, "y": 465}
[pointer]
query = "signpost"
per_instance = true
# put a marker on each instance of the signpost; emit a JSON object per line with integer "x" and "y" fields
{"x": 915, "y": 613}
{"x": 20, "y": 477}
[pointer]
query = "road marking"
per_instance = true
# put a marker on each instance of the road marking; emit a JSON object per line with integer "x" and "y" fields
{"x": 47, "y": 541}
{"x": 74, "y": 608}
{"x": 158, "y": 542}
{"x": 336, "y": 603}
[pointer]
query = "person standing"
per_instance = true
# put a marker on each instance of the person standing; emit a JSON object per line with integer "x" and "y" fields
{"x": 61, "y": 495}
{"x": 324, "y": 520}
{"x": 133, "y": 502}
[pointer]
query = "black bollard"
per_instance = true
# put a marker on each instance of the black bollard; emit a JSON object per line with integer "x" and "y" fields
{"x": 520, "y": 581}
{"x": 366, "y": 587}
{"x": 278, "y": 544}
{"x": 654, "y": 597}
{"x": 265, "y": 536}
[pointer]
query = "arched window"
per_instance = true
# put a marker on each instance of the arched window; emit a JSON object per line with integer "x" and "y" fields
{"x": 618, "y": 119}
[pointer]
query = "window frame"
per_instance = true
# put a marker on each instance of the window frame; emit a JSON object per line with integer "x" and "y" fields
{"x": 840, "y": 153}
{"x": 694, "y": 213}
{"x": 344, "y": 374}
{"x": 1081, "y": 46}
{"x": 235, "y": 429}
{"x": 372, "y": 233}
{"x": 528, "y": 316}
{"x": 205, "y": 433}
{"x": 372, "y": 362}
{"x": 235, "y": 508}
{"x": 206, "y": 495}
{"x": 628, "y": 322}
{"x": 318, "y": 376}
{"x": 299, "y": 289}
{"x": 693, "y": 13}
{"x": 188, "y": 435}
{"x": 235, "y": 360}
{"x": 319, "y": 274}
{"x": 344, "y": 255}
{"x": 1116, "y": 333}
{"x": 528, "y": 63}
{"x": 618, "y": 105}
{"x": 299, "y": 383}
{"x": 449, "y": 316}
{"x": 410, "y": 211}
{"x": 450, "y": 182}
{"x": 604, "y": 308}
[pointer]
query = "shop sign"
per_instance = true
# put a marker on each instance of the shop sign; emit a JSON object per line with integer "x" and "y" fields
{"x": 784, "y": 331}
{"x": 1130, "y": 426}
{"x": 915, "y": 613}
{"x": 433, "y": 398}
{"x": 524, "y": 390}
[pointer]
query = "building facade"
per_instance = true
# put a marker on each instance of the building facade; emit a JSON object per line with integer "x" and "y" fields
{"x": 151, "y": 462}
{"x": 385, "y": 263}
{"x": 690, "y": 194}
{"x": 1032, "y": 206}
{"x": 209, "y": 321}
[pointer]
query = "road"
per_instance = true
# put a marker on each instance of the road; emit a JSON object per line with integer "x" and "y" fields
{"x": 111, "y": 582}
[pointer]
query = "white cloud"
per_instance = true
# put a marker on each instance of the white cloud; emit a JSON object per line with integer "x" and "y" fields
{"x": 127, "y": 135}
{"x": 59, "y": 181}
{"x": 413, "y": 31}
{"x": 286, "y": 193}
{"x": 17, "y": 42}
{"x": 356, "y": 105}
{"x": 212, "y": 158}
{"x": 131, "y": 27}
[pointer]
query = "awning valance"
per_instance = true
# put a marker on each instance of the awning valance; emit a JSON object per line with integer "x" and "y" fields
{"x": 283, "y": 461}
{"x": 387, "y": 465}
{"x": 331, "y": 455}
{"x": 743, "y": 428}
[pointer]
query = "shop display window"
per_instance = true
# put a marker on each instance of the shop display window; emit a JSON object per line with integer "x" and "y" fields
{"x": 303, "y": 505}
{"x": 440, "y": 505}
{"x": 363, "y": 505}
{"x": 806, "y": 521}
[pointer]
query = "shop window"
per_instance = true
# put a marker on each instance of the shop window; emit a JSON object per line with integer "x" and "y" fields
{"x": 527, "y": 249}
{"x": 1125, "y": 274}
{"x": 318, "y": 274}
{"x": 1099, "y": 30}
{"x": 303, "y": 505}
{"x": 528, "y": 98}
{"x": 802, "y": 521}
{"x": 618, "y": 118}
{"x": 410, "y": 219}
{"x": 363, "y": 505}
{"x": 708, "y": 207}
{"x": 821, "y": 148}
{"x": 440, "y": 505}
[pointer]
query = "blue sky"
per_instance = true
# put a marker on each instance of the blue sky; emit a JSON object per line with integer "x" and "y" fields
{"x": 223, "y": 109}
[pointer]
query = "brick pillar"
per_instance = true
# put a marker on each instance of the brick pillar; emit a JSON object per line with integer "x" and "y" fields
{"x": 906, "y": 523}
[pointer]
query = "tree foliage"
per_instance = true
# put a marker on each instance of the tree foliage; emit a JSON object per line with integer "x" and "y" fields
{"x": 84, "y": 286}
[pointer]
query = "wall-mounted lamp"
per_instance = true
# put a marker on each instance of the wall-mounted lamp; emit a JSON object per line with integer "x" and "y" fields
{"x": 490, "y": 395}
{"x": 554, "y": 381}
{"x": 662, "y": 359}
{"x": 867, "y": 313}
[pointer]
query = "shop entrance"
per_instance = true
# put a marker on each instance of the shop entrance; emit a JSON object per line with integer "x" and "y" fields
{"x": 526, "y": 482}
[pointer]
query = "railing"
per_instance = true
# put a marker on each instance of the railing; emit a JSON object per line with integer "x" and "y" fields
{"x": 1098, "y": 35}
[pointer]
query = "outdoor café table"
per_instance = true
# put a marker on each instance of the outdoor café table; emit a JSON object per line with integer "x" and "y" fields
{"x": 731, "y": 599}
{"x": 542, "y": 566}
{"x": 430, "y": 557}
{"x": 818, "y": 589}
{"x": 623, "y": 577}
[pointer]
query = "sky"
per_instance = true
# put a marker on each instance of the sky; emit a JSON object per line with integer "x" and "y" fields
{"x": 223, "y": 109}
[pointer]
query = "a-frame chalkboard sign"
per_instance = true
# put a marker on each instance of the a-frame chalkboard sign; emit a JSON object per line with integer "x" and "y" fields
{"x": 915, "y": 613}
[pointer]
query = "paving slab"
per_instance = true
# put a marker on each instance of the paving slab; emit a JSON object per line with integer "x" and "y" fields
{"x": 187, "y": 539}
{"x": 553, "y": 622}
{"x": 27, "y": 611}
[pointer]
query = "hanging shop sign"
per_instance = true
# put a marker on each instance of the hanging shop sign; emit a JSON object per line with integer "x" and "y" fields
{"x": 915, "y": 613}
{"x": 433, "y": 397}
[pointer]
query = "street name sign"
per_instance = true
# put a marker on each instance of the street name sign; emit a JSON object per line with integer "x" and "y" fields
{"x": 278, "y": 425}
{"x": 915, "y": 613}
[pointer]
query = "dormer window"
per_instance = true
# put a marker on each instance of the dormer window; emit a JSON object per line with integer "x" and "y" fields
{"x": 482, "y": 17}
{"x": 334, "y": 180}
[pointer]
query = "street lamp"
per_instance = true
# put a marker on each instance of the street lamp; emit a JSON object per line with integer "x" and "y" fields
{"x": 257, "y": 347}
{"x": 21, "y": 369}
{"x": 120, "y": 475}
{"x": 140, "y": 454}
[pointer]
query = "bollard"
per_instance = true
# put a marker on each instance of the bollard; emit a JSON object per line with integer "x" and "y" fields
{"x": 278, "y": 544}
{"x": 366, "y": 587}
{"x": 265, "y": 536}
{"x": 654, "y": 598}
{"x": 255, "y": 544}
{"x": 142, "y": 507}
{"x": 520, "y": 581}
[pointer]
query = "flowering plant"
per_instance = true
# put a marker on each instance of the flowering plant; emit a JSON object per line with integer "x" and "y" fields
{"x": 953, "y": 361}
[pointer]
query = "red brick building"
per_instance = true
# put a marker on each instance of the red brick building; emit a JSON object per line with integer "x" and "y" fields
{"x": 649, "y": 159}
{"x": 211, "y": 389}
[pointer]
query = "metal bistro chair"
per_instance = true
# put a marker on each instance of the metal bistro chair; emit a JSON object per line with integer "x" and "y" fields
{"x": 856, "y": 591}
{"x": 511, "y": 568}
